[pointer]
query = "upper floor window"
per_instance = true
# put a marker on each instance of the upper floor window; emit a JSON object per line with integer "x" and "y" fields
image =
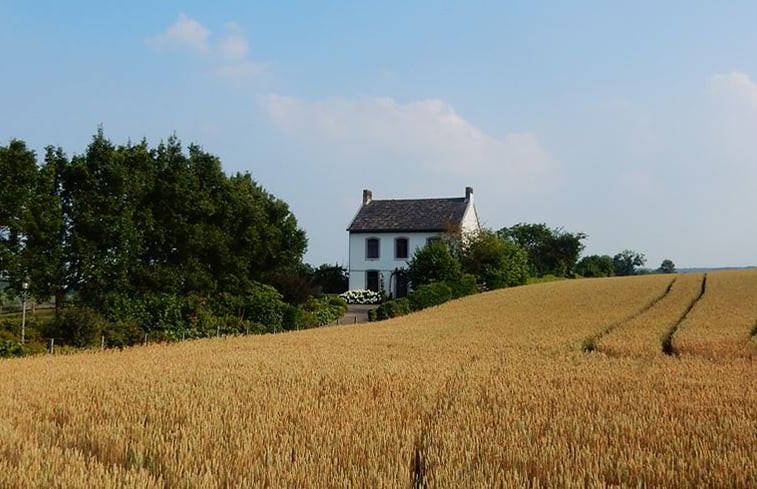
{"x": 372, "y": 248}
{"x": 400, "y": 248}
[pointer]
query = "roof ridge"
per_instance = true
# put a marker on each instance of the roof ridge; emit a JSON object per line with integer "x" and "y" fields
{"x": 413, "y": 200}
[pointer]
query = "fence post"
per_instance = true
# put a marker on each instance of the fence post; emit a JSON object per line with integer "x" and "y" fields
{"x": 145, "y": 342}
{"x": 52, "y": 346}
{"x": 102, "y": 342}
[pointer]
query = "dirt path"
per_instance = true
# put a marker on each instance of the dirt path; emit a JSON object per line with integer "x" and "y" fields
{"x": 356, "y": 313}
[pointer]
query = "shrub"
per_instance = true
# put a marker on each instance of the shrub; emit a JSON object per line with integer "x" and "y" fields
{"x": 122, "y": 333}
{"x": 466, "y": 285}
{"x": 433, "y": 263}
{"x": 263, "y": 304}
{"x": 79, "y": 326}
{"x": 325, "y": 309}
{"x": 361, "y": 296}
{"x": 494, "y": 261}
{"x": 10, "y": 348}
{"x": 595, "y": 266}
{"x": 393, "y": 308}
{"x": 429, "y": 295}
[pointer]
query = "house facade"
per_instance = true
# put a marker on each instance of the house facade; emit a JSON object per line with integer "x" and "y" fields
{"x": 385, "y": 233}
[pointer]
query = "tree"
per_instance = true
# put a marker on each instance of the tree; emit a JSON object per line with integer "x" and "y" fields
{"x": 625, "y": 262}
{"x": 550, "y": 251}
{"x": 496, "y": 262}
{"x": 667, "y": 266}
{"x": 18, "y": 172}
{"x": 49, "y": 236}
{"x": 332, "y": 279}
{"x": 595, "y": 266}
{"x": 433, "y": 263}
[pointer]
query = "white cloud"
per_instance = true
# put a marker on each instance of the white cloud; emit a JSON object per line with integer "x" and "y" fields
{"x": 233, "y": 46}
{"x": 230, "y": 54}
{"x": 428, "y": 134}
{"x": 184, "y": 33}
{"x": 736, "y": 87}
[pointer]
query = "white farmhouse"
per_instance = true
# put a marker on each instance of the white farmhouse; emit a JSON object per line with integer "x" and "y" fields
{"x": 385, "y": 233}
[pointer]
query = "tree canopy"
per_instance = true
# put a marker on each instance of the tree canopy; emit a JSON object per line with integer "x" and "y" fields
{"x": 135, "y": 220}
{"x": 550, "y": 251}
{"x": 667, "y": 266}
{"x": 626, "y": 261}
{"x": 434, "y": 262}
{"x": 595, "y": 266}
{"x": 496, "y": 262}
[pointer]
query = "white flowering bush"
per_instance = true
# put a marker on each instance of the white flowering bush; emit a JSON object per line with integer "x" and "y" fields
{"x": 361, "y": 296}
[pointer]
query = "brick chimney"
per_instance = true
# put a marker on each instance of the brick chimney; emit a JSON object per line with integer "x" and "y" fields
{"x": 367, "y": 196}
{"x": 468, "y": 193}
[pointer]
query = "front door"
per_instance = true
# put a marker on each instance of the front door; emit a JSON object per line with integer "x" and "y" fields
{"x": 400, "y": 283}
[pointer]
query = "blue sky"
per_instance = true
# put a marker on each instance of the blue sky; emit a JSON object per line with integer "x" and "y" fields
{"x": 634, "y": 124}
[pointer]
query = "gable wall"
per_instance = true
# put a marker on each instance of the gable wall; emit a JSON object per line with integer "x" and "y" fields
{"x": 470, "y": 219}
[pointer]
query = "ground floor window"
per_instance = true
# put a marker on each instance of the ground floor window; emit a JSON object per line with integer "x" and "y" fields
{"x": 372, "y": 280}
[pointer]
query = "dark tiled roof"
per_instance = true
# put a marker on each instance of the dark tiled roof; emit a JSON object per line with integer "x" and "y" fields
{"x": 409, "y": 215}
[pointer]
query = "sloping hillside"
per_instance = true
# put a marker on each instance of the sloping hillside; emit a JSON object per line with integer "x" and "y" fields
{"x": 495, "y": 390}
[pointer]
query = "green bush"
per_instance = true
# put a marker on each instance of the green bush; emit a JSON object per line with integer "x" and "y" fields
{"x": 393, "y": 308}
{"x": 325, "y": 309}
{"x": 495, "y": 261}
{"x": 595, "y": 266}
{"x": 429, "y": 295}
{"x": 434, "y": 262}
{"x": 122, "y": 333}
{"x": 10, "y": 348}
{"x": 263, "y": 304}
{"x": 79, "y": 327}
{"x": 371, "y": 315}
{"x": 463, "y": 287}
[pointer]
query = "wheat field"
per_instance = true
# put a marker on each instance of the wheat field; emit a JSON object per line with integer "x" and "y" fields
{"x": 494, "y": 390}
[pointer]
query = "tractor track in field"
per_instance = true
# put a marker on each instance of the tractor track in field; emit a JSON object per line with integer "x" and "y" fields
{"x": 590, "y": 343}
{"x": 667, "y": 339}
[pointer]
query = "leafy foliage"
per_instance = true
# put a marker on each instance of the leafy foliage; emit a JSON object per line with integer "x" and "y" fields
{"x": 79, "y": 327}
{"x": 667, "y": 266}
{"x": 10, "y": 348}
{"x": 332, "y": 279}
{"x": 595, "y": 266}
{"x": 550, "y": 251}
{"x": 464, "y": 286}
{"x": 390, "y": 309}
{"x": 434, "y": 262}
{"x": 496, "y": 262}
{"x": 625, "y": 262}
{"x": 429, "y": 295}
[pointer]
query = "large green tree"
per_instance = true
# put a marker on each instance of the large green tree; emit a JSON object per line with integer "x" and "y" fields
{"x": 496, "y": 262}
{"x": 550, "y": 251}
{"x": 18, "y": 173}
{"x": 595, "y": 266}
{"x": 626, "y": 261}
{"x": 133, "y": 221}
{"x": 434, "y": 262}
{"x": 48, "y": 245}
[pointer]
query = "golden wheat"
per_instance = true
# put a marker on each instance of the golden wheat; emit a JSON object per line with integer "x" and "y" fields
{"x": 643, "y": 334}
{"x": 489, "y": 391}
{"x": 721, "y": 323}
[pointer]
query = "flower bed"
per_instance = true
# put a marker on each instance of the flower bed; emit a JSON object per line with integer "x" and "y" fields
{"x": 361, "y": 296}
